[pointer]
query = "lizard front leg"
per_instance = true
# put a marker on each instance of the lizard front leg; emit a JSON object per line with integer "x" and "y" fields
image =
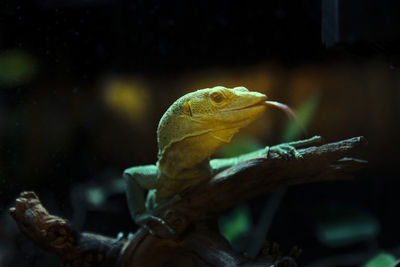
{"x": 285, "y": 149}
{"x": 290, "y": 148}
{"x": 137, "y": 180}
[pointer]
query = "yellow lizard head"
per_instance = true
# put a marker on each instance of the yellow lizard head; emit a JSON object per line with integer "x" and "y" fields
{"x": 219, "y": 112}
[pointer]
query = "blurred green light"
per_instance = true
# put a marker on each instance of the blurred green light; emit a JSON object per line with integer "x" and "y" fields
{"x": 347, "y": 229}
{"x": 95, "y": 196}
{"x": 16, "y": 67}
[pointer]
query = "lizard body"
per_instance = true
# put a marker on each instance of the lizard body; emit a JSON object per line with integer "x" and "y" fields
{"x": 189, "y": 132}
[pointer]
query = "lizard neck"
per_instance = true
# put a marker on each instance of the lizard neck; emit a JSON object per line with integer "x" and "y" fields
{"x": 186, "y": 178}
{"x": 189, "y": 158}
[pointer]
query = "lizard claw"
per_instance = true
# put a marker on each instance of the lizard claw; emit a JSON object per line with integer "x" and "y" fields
{"x": 163, "y": 223}
{"x": 286, "y": 151}
{"x": 145, "y": 219}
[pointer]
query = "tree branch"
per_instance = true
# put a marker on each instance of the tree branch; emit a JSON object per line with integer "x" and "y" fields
{"x": 265, "y": 173}
{"x": 197, "y": 241}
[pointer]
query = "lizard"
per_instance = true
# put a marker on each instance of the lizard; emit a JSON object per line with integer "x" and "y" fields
{"x": 190, "y": 131}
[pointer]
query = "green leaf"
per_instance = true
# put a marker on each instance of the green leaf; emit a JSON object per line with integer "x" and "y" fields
{"x": 235, "y": 223}
{"x": 381, "y": 260}
{"x": 239, "y": 145}
{"x": 294, "y": 128}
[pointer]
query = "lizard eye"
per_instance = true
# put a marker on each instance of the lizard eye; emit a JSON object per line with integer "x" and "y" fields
{"x": 217, "y": 97}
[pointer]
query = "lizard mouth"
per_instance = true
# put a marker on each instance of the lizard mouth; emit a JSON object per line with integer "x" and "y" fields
{"x": 257, "y": 104}
{"x": 264, "y": 103}
{"x": 260, "y": 103}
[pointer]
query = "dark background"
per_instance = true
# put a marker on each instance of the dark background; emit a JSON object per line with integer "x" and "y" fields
{"x": 84, "y": 83}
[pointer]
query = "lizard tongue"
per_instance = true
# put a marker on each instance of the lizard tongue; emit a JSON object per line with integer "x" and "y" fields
{"x": 285, "y": 108}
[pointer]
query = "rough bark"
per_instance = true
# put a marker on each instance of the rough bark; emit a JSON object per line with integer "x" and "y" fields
{"x": 196, "y": 241}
